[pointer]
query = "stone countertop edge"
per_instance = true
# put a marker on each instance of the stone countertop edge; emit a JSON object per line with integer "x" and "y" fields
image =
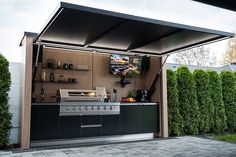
{"x": 140, "y": 103}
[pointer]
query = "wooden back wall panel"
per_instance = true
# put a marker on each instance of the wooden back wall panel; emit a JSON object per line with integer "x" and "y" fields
{"x": 97, "y": 75}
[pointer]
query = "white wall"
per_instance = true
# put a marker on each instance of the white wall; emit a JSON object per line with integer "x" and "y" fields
{"x": 15, "y": 101}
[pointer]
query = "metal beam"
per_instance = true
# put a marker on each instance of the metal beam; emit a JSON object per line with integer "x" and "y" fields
{"x": 91, "y": 49}
{"x": 57, "y": 13}
{"x": 202, "y": 43}
{"x": 87, "y": 43}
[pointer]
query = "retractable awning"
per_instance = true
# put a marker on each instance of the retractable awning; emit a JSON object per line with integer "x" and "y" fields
{"x": 75, "y": 25}
{"x": 226, "y": 4}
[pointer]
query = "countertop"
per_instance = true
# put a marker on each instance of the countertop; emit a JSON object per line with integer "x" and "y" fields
{"x": 140, "y": 103}
{"x": 100, "y": 103}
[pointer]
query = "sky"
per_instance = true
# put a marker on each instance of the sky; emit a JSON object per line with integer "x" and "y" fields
{"x": 17, "y": 16}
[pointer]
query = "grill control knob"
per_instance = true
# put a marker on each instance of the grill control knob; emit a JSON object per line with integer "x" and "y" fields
{"x": 98, "y": 108}
{"x": 110, "y": 107}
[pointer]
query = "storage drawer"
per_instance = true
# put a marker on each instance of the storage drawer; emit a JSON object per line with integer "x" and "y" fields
{"x": 91, "y": 125}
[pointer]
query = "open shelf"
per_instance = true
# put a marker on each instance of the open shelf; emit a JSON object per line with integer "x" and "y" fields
{"x": 59, "y": 82}
{"x": 81, "y": 69}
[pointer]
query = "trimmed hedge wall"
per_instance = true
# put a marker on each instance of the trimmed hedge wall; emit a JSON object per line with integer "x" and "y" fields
{"x": 187, "y": 100}
{"x": 174, "y": 118}
{"x": 206, "y": 109}
{"x": 201, "y": 102}
{"x": 229, "y": 96}
{"x": 5, "y": 115}
{"x": 215, "y": 87}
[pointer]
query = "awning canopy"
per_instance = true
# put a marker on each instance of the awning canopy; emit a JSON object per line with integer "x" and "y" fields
{"x": 82, "y": 26}
{"x": 226, "y": 4}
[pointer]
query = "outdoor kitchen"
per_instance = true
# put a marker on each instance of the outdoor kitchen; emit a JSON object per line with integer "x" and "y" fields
{"x": 95, "y": 76}
{"x": 86, "y": 97}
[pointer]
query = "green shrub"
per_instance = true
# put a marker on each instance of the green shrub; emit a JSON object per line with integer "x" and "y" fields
{"x": 174, "y": 117}
{"x": 228, "y": 92}
{"x": 187, "y": 100}
{"x": 215, "y": 87}
{"x": 5, "y": 115}
{"x": 206, "y": 109}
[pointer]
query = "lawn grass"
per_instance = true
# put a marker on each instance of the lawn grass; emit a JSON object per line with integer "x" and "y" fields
{"x": 227, "y": 137}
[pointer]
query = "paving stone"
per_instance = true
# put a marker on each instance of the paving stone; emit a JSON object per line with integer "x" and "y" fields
{"x": 177, "y": 147}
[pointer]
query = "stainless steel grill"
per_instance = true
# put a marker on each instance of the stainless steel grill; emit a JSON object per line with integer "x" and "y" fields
{"x": 85, "y": 102}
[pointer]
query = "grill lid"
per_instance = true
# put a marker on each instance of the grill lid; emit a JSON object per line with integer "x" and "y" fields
{"x": 81, "y": 95}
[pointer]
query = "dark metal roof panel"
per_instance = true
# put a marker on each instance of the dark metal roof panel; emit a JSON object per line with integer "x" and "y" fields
{"x": 226, "y": 4}
{"x": 95, "y": 28}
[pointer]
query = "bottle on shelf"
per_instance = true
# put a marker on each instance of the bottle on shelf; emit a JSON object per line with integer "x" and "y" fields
{"x": 51, "y": 76}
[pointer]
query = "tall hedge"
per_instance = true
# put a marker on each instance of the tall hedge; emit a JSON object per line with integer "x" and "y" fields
{"x": 187, "y": 100}
{"x": 5, "y": 115}
{"x": 174, "y": 117}
{"x": 215, "y": 87}
{"x": 206, "y": 109}
{"x": 229, "y": 93}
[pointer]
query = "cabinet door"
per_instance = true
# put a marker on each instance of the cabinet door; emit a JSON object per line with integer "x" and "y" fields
{"x": 129, "y": 119}
{"x": 110, "y": 124}
{"x": 91, "y": 125}
{"x": 149, "y": 118}
{"x": 44, "y": 122}
{"x": 70, "y": 126}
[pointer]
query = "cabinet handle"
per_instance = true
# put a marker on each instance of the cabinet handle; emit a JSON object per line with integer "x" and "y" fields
{"x": 91, "y": 126}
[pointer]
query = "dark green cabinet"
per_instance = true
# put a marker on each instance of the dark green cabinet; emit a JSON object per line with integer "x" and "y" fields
{"x": 110, "y": 125}
{"x": 148, "y": 118}
{"x": 129, "y": 119}
{"x": 70, "y": 126}
{"x": 139, "y": 119}
{"x": 44, "y": 122}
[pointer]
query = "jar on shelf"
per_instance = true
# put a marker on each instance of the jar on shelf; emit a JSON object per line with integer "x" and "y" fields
{"x": 61, "y": 78}
{"x": 43, "y": 75}
{"x": 58, "y": 64}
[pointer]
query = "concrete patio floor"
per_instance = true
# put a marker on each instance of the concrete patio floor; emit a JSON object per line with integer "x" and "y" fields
{"x": 181, "y": 146}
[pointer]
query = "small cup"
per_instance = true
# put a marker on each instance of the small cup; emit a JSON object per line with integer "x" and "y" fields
{"x": 65, "y": 66}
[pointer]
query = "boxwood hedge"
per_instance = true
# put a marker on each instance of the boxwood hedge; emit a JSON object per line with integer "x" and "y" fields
{"x": 187, "y": 100}
{"x": 206, "y": 109}
{"x": 215, "y": 87}
{"x": 174, "y": 117}
{"x": 5, "y": 115}
{"x": 229, "y": 98}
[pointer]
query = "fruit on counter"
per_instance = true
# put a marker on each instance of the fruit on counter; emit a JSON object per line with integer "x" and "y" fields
{"x": 130, "y": 99}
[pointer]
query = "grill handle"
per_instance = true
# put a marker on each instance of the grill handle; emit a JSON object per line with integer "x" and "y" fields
{"x": 91, "y": 126}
